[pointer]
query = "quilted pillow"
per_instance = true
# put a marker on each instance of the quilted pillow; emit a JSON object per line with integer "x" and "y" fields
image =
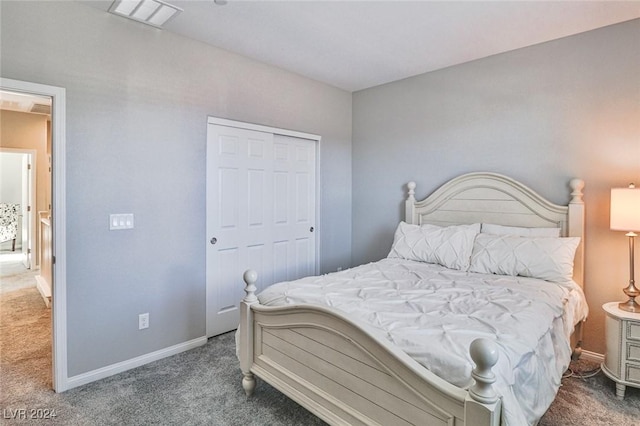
{"x": 546, "y": 258}
{"x": 449, "y": 246}
{"x": 489, "y": 228}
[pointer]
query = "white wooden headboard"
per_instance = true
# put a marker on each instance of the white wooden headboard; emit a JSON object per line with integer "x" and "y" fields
{"x": 494, "y": 198}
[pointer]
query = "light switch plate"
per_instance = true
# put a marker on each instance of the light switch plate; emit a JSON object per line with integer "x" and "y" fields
{"x": 120, "y": 221}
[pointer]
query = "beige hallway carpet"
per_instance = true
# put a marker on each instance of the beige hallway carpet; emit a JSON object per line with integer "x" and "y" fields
{"x": 13, "y": 275}
{"x": 25, "y": 344}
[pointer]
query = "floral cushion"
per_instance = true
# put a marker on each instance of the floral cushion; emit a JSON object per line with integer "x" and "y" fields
{"x": 9, "y": 221}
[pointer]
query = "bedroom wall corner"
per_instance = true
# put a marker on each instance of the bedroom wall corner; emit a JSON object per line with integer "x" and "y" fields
{"x": 542, "y": 115}
{"x": 133, "y": 93}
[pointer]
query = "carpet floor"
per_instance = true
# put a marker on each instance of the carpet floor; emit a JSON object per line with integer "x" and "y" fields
{"x": 13, "y": 274}
{"x": 202, "y": 386}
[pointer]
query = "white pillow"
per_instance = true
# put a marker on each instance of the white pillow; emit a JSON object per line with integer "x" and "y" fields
{"x": 489, "y": 228}
{"x": 546, "y": 258}
{"x": 448, "y": 246}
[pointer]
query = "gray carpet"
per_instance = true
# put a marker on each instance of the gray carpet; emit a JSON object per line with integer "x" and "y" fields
{"x": 592, "y": 401}
{"x": 202, "y": 387}
{"x": 199, "y": 387}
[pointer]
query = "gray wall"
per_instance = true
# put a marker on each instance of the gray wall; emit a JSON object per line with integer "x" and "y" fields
{"x": 543, "y": 115}
{"x": 137, "y": 105}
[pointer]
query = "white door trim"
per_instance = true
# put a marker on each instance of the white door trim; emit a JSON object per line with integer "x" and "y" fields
{"x": 58, "y": 201}
{"x": 261, "y": 128}
{"x": 296, "y": 134}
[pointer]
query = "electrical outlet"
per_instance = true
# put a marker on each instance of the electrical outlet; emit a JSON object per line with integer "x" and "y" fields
{"x": 143, "y": 321}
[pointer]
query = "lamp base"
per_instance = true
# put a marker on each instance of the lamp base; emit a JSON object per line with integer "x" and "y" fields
{"x": 629, "y": 306}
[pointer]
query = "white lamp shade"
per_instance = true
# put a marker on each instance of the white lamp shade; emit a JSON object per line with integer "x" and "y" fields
{"x": 625, "y": 209}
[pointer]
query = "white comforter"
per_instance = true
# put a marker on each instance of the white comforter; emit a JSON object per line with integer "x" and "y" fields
{"x": 434, "y": 313}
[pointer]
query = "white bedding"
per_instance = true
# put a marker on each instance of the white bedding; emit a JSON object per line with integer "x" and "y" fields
{"x": 434, "y": 313}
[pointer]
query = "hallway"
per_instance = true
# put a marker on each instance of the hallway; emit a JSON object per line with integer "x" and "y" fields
{"x": 13, "y": 274}
{"x": 25, "y": 331}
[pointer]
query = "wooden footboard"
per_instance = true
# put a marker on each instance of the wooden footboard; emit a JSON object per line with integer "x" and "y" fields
{"x": 345, "y": 373}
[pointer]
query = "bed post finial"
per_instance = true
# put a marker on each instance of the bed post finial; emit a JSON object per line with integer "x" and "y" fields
{"x": 412, "y": 191}
{"x": 409, "y": 209}
{"x": 484, "y": 354}
{"x": 250, "y": 278}
{"x": 576, "y": 191}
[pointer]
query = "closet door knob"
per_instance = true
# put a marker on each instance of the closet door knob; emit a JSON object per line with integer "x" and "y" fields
{"x": 213, "y": 240}
{"x": 311, "y": 229}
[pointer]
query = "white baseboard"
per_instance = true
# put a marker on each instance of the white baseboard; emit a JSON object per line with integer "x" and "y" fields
{"x": 592, "y": 356}
{"x": 110, "y": 370}
{"x": 44, "y": 288}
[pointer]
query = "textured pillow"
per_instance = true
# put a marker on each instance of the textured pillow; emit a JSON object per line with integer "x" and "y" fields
{"x": 489, "y": 228}
{"x": 448, "y": 246}
{"x": 546, "y": 258}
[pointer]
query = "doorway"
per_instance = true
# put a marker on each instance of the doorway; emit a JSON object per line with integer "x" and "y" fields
{"x": 18, "y": 200}
{"x": 53, "y": 207}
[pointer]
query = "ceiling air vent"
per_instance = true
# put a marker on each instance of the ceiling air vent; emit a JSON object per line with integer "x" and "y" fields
{"x": 151, "y": 12}
{"x": 41, "y": 109}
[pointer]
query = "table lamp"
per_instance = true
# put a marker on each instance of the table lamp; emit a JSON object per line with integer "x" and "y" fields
{"x": 625, "y": 216}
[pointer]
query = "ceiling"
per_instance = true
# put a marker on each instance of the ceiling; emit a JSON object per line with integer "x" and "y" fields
{"x": 22, "y": 102}
{"x": 354, "y": 45}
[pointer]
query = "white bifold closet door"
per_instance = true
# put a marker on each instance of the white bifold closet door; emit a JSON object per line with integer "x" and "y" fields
{"x": 260, "y": 215}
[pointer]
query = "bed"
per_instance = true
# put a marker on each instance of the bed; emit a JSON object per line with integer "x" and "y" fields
{"x": 469, "y": 339}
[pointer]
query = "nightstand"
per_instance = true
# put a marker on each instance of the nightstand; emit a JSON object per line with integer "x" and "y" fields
{"x": 622, "y": 360}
